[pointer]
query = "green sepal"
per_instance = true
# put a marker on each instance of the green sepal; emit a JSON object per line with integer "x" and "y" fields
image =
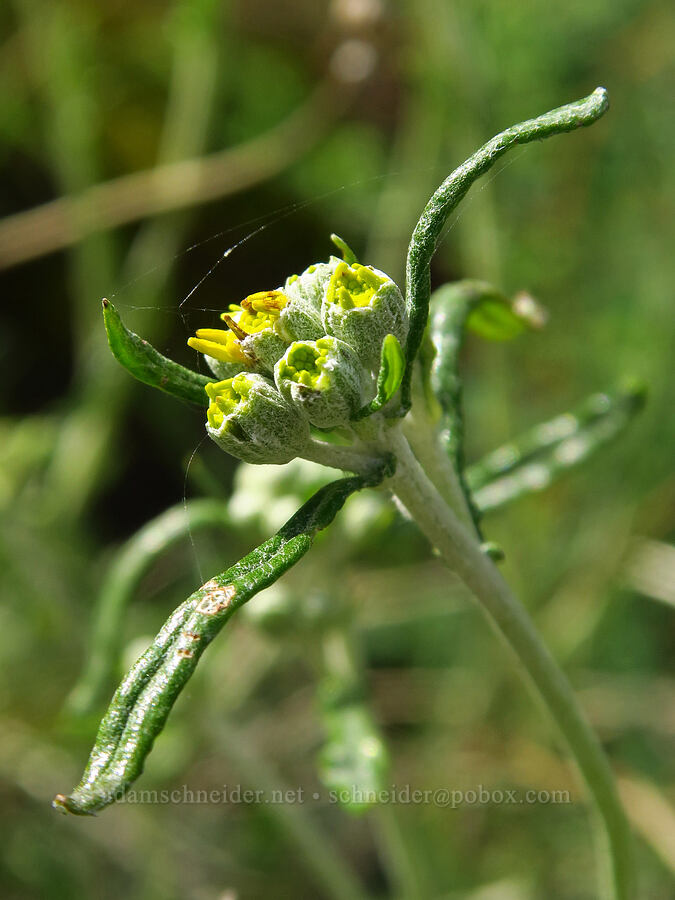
{"x": 143, "y": 701}
{"x": 392, "y": 366}
{"x": 148, "y": 365}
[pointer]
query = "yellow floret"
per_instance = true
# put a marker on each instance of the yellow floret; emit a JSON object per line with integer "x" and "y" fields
{"x": 257, "y": 313}
{"x": 354, "y": 285}
{"x": 260, "y": 311}
{"x": 304, "y": 363}
{"x": 224, "y": 400}
{"x": 219, "y": 344}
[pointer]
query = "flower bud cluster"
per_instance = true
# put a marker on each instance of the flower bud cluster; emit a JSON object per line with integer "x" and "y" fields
{"x": 304, "y": 354}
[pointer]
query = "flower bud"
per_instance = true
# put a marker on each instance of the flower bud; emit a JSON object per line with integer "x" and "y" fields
{"x": 301, "y": 319}
{"x": 324, "y": 379}
{"x": 252, "y": 341}
{"x": 258, "y": 327}
{"x": 361, "y": 306}
{"x": 249, "y": 419}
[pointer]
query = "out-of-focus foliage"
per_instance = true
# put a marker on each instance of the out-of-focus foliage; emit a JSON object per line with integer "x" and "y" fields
{"x": 338, "y": 116}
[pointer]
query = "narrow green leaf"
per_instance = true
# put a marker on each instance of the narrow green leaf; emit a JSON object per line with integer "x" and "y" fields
{"x": 445, "y": 199}
{"x": 392, "y": 366}
{"x": 148, "y": 365}
{"x": 143, "y": 701}
{"x": 353, "y": 761}
{"x": 540, "y": 456}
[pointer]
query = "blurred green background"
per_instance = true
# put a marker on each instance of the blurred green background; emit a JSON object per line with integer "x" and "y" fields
{"x": 298, "y": 119}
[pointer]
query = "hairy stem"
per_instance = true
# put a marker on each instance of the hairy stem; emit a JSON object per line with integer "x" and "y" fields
{"x": 419, "y": 431}
{"x": 462, "y": 554}
{"x": 339, "y": 457}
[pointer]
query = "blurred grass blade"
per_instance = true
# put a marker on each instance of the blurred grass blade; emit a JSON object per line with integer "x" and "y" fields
{"x": 142, "y": 703}
{"x": 353, "y": 762}
{"x": 129, "y": 566}
{"x": 450, "y": 193}
{"x": 533, "y": 461}
{"x": 148, "y": 365}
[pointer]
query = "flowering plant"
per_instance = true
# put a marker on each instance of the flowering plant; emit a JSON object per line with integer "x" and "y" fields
{"x": 340, "y": 367}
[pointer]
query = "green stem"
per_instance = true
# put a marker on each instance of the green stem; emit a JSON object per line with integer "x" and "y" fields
{"x": 463, "y": 555}
{"x": 340, "y": 457}
{"x": 419, "y": 431}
